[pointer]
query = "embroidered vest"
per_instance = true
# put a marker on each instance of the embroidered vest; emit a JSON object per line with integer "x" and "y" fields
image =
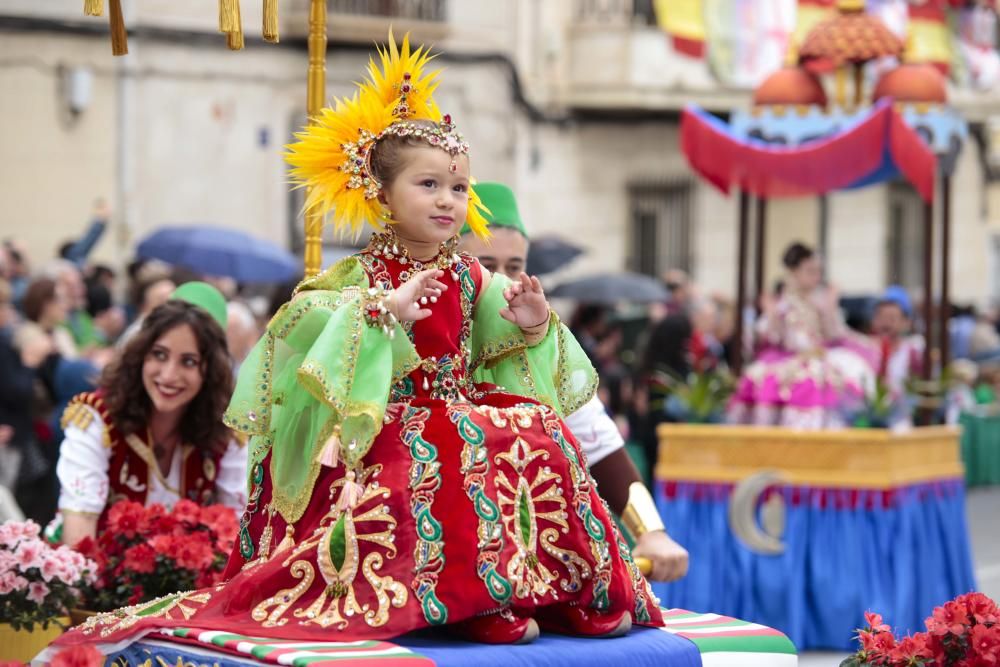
{"x": 133, "y": 463}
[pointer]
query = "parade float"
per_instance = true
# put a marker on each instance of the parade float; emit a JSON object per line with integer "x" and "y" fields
{"x": 689, "y": 639}
{"x": 804, "y": 531}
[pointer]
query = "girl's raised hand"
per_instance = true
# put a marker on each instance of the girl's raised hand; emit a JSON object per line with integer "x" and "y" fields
{"x": 527, "y": 306}
{"x": 409, "y": 299}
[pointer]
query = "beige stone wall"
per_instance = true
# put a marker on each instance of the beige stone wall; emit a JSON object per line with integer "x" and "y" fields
{"x": 203, "y": 128}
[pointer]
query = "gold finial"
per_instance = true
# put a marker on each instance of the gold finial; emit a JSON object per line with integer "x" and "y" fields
{"x": 851, "y": 5}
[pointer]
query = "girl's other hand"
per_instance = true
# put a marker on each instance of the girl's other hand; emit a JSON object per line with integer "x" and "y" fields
{"x": 527, "y": 306}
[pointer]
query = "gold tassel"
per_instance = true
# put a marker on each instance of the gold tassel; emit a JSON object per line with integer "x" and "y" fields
{"x": 271, "y": 21}
{"x": 235, "y": 39}
{"x": 93, "y": 7}
{"x": 119, "y": 38}
{"x": 229, "y": 16}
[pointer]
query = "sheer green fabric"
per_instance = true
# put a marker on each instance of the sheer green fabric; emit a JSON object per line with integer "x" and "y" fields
{"x": 555, "y": 371}
{"x": 320, "y": 343}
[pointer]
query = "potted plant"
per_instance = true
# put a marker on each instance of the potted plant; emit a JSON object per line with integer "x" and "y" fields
{"x": 147, "y": 552}
{"x": 960, "y": 633}
{"x": 699, "y": 398}
{"x": 39, "y": 584}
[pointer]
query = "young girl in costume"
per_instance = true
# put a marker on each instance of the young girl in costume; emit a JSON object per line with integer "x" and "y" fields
{"x": 810, "y": 369}
{"x": 389, "y": 492}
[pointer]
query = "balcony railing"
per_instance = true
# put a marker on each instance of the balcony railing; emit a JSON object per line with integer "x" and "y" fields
{"x": 363, "y": 21}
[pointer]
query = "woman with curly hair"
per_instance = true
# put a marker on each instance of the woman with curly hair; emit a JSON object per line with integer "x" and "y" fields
{"x": 153, "y": 431}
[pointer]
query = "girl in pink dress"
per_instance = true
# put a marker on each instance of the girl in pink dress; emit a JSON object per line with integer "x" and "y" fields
{"x": 809, "y": 368}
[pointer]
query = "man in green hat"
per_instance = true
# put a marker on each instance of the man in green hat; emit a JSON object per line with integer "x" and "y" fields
{"x": 618, "y": 481}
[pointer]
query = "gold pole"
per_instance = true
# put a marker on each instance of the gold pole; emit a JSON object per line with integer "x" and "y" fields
{"x": 315, "y": 98}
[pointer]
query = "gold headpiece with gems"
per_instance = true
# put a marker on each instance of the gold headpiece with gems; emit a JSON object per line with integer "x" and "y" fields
{"x": 332, "y": 157}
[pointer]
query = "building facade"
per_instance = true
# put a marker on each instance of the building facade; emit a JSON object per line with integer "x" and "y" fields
{"x": 575, "y": 103}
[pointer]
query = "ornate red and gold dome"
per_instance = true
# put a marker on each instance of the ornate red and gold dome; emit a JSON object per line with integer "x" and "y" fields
{"x": 850, "y": 37}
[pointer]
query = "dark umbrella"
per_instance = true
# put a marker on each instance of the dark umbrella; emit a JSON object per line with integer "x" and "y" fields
{"x": 612, "y": 287}
{"x": 218, "y": 251}
{"x": 549, "y": 253}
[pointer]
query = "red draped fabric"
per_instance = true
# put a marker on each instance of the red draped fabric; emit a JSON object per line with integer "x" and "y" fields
{"x": 817, "y": 167}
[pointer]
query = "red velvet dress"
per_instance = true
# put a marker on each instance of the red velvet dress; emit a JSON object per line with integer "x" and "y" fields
{"x": 475, "y": 501}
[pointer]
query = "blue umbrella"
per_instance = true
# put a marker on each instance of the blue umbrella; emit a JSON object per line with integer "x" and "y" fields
{"x": 218, "y": 251}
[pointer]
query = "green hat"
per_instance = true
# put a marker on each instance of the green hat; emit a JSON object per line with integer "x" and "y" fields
{"x": 499, "y": 199}
{"x": 205, "y": 297}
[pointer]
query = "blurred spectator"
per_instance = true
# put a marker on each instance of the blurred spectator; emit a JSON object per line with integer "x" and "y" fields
{"x": 960, "y": 327}
{"x": 77, "y": 251}
{"x": 103, "y": 275}
{"x": 900, "y": 350}
{"x": 108, "y": 318}
{"x": 46, "y": 307}
{"x": 241, "y": 331}
{"x": 22, "y": 465}
{"x": 67, "y": 275}
{"x": 679, "y": 285}
{"x": 589, "y": 324}
{"x": 148, "y": 295}
{"x": 18, "y": 272}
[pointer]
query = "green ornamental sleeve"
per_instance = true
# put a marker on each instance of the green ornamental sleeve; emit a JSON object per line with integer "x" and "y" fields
{"x": 320, "y": 370}
{"x": 555, "y": 371}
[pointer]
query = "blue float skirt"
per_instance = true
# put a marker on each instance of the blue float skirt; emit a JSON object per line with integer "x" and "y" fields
{"x": 900, "y": 552}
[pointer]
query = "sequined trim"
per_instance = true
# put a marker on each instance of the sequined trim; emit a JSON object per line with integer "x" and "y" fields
{"x": 424, "y": 482}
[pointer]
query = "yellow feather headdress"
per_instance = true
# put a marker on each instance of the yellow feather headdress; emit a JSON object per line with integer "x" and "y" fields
{"x": 331, "y": 156}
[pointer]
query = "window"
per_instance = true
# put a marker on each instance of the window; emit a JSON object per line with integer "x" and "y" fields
{"x": 905, "y": 256}
{"x": 661, "y": 215}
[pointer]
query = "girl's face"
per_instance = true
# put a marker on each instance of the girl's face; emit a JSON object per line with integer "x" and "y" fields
{"x": 808, "y": 274}
{"x": 427, "y": 199}
{"x": 172, "y": 372}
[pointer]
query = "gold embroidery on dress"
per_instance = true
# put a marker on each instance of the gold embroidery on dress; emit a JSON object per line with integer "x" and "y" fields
{"x": 525, "y": 502}
{"x": 176, "y": 605}
{"x": 335, "y": 543}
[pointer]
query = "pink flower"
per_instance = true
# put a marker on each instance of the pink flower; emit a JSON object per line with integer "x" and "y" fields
{"x": 7, "y": 561}
{"x": 30, "y": 530}
{"x": 37, "y": 592}
{"x": 19, "y": 583}
{"x": 7, "y": 583}
{"x": 53, "y": 568}
{"x": 29, "y": 554}
{"x": 8, "y": 538}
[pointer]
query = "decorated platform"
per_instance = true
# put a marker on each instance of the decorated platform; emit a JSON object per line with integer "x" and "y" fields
{"x": 689, "y": 640}
{"x": 805, "y": 531}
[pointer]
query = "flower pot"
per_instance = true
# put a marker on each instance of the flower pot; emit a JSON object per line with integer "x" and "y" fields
{"x": 80, "y": 616}
{"x": 23, "y": 645}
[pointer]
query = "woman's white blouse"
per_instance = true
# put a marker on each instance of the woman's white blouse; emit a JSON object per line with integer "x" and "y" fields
{"x": 83, "y": 473}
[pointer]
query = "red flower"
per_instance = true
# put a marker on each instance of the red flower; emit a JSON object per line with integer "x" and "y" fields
{"x": 137, "y": 595}
{"x": 125, "y": 518}
{"x": 980, "y": 607}
{"x": 195, "y": 552}
{"x": 187, "y": 511}
{"x": 911, "y": 648}
{"x": 165, "y": 545}
{"x": 875, "y": 623}
{"x": 78, "y": 656}
{"x": 140, "y": 559}
{"x": 984, "y": 643}
{"x": 949, "y": 618}
{"x": 12, "y": 663}
{"x": 221, "y": 520}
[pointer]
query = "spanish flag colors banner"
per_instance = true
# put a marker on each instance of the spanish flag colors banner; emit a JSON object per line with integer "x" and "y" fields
{"x": 684, "y": 21}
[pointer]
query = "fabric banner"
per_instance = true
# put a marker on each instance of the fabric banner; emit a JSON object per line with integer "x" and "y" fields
{"x": 808, "y": 14}
{"x": 977, "y": 38}
{"x": 724, "y": 641}
{"x": 684, "y": 21}
{"x": 879, "y": 144}
{"x": 928, "y": 37}
{"x": 748, "y": 40}
{"x": 900, "y": 551}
